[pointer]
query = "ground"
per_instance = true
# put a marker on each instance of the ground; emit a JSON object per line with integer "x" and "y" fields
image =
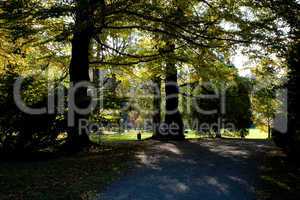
{"x": 213, "y": 168}
{"x": 210, "y": 169}
{"x": 280, "y": 177}
{"x": 61, "y": 176}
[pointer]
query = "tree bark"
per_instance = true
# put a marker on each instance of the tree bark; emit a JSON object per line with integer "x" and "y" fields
{"x": 269, "y": 129}
{"x": 79, "y": 71}
{"x": 173, "y": 116}
{"x": 293, "y": 100}
{"x": 172, "y": 128}
{"x": 156, "y": 118}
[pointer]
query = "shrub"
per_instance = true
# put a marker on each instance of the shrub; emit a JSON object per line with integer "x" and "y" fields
{"x": 25, "y": 132}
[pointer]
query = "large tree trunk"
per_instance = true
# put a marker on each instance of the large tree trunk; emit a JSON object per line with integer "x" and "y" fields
{"x": 172, "y": 128}
{"x": 173, "y": 116}
{"x": 269, "y": 129}
{"x": 156, "y": 118}
{"x": 79, "y": 71}
{"x": 293, "y": 100}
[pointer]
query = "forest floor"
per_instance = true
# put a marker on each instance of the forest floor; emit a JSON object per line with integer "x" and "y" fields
{"x": 193, "y": 170}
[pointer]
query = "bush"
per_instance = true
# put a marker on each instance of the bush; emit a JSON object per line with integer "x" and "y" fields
{"x": 25, "y": 132}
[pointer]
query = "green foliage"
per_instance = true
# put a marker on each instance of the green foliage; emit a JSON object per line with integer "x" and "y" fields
{"x": 238, "y": 104}
{"x": 130, "y": 38}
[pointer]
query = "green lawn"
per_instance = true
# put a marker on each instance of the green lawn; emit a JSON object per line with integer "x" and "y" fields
{"x": 253, "y": 134}
{"x": 257, "y": 134}
{"x": 117, "y": 137}
{"x": 132, "y": 136}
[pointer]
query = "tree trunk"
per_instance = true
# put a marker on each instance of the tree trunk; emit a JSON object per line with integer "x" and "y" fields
{"x": 156, "y": 118}
{"x": 173, "y": 116}
{"x": 79, "y": 71}
{"x": 269, "y": 129}
{"x": 293, "y": 99}
{"x": 219, "y": 128}
{"x": 172, "y": 127}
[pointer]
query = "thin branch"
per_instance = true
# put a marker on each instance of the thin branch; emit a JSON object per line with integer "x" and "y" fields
{"x": 125, "y": 54}
{"x": 157, "y": 30}
{"x": 123, "y": 64}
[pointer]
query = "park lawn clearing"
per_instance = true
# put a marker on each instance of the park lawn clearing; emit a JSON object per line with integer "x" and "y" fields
{"x": 190, "y": 135}
{"x": 254, "y": 133}
{"x": 257, "y": 134}
{"x": 79, "y": 176}
{"x": 132, "y": 136}
{"x": 120, "y": 137}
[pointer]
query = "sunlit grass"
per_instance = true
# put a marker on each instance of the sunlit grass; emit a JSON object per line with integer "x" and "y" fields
{"x": 119, "y": 137}
{"x": 190, "y": 134}
{"x": 132, "y": 136}
{"x": 253, "y": 134}
{"x": 257, "y": 134}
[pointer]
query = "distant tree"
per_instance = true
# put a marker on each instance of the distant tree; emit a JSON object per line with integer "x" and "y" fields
{"x": 233, "y": 104}
{"x": 269, "y": 76}
{"x": 238, "y": 105}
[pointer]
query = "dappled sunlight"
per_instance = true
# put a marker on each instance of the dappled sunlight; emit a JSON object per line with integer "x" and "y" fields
{"x": 173, "y": 185}
{"x": 216, "y": 169}
{"x": 233, "y": 151}
{"x": 240, "y": 181}
{"x": 170, "y": 148}
{"x": 149, "y": 161}
{"x": 213, "y": 181}
{"x": 151, "y": 158}
{"x": 149, "y": 100}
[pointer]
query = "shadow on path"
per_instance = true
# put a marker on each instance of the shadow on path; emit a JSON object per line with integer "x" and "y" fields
{"x": 192, "y": 170}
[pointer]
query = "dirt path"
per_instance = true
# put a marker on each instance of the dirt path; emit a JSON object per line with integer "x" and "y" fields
{"x": 192, "y": 170}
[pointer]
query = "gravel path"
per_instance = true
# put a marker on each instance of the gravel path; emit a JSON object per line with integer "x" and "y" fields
{"x": 192, "y": 170}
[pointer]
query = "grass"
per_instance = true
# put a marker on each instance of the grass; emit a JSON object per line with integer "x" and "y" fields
{"x": 257, "y": 134}
{"x": 117, "y": 137}
{"x": 78, "y": 176}
{"x": 132, "y": 136}
{"x": 253, "y": 134}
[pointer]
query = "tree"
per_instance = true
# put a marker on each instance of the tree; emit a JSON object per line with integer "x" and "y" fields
{"x": 238, "y": 105}
{"x": 288, "y": 12}
{"x": 269, "y": 76}
{"x": 26, "y": 53}
{"x": 193, "y": 33}
{"x": 79, "y": 67}
{"x": 229, "y": 103}
{"x": 294, "y": 96}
